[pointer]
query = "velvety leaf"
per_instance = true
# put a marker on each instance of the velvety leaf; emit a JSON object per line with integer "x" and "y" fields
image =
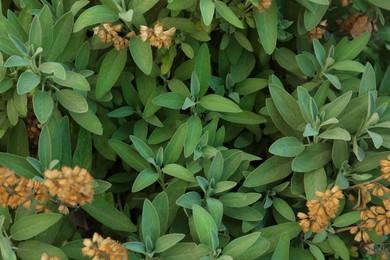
{"x": 179, "y": 171}
{"x": 217, "y": 103}
{"x": 30, "y": 226}
{"x": 150, "y": 223}
{"x": 89, "y": 121}
{"x": 238, "y": 246}
{"x": 339, "y": 247}
{"x": 279, "y": 166}
{"x": 284, "y": 209}
{"x": 315, "y": 181}
{"x": 204, "y": 224}
{"x": 72, "y": 101}
{"x": 347, "y": 219}
{"x": 33, "y": 249}
{"x": 104, "y": 212}
{"x": 314, "y": 157}
{"x": 27, "y": 81}
{"x": 224, "y": 11}
{"x": 142, "y": 54}
{"x": 167, "y": 241}
{"x": 73, "y": 80}
{"x": 267, "y": 27}
{"x": 110, "y": 70}
{"x": 94, "y": 15}
{"x": 287, "y": 147}
{"x": 203, "y": 68}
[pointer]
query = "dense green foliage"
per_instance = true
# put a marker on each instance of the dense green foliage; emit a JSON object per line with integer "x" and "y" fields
{"x": 206, "y": 140}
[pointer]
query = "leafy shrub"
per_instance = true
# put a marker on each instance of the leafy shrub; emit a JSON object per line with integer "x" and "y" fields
{"x": 209, "y": 129}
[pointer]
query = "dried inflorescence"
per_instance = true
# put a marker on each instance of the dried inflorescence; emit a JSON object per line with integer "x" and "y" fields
{"x": 71, "y": 186}
{"x": 356, "y": 24}
{"x": 344, "y": 3}
{"x": 45, "y": 256}
{"x": 107, "y": 32}
{"x": 15, "y": 191}
{"x": 264, "y": 5}
{"x": 104, "y": 248}
{"x": 318, "y": 32}
{"x": 156, "y": 36}
{"x": 385, "y": 168}
{"x": 321, "y": 211}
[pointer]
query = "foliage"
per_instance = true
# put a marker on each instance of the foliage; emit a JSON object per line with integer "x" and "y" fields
{"x": 207, "y": 126}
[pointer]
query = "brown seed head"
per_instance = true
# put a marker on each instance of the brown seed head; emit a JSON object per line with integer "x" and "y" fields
{"x": 104, "y": 247}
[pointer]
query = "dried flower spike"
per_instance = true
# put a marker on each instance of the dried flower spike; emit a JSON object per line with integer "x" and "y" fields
{"x": 264, "y": 5}
{"x": 318, "y": 32}
{"x": 157, "y": 36}
{"x": 321, "y": 211}
{"x": 45, "y": 256}
{"x": 71, "y": 186}
{"x": 104, "y": 248}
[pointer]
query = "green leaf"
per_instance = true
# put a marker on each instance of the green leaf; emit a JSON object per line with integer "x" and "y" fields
{"x": 319, "y": 51}
{"x": 6, "y": 249}
{"x": 370, "y": 161}
{"x": 142, "y": 54}
{"x": 88, "y": 121}
{"x": 105, "y": 213}
{"x": 333, "y": 79}
{"x": 142, "y": 147}
{"x": 250, "y": 85}
{"x": 316, "y": 252}
{"x": 314, "y": 181}
{"x": 287, "y": 106}
{"x": 315, "y": 156}
{"x": 33, "y": 249}
{"x": 207, "y": 9}
{"x": 171, "y": 100}
{"x": 347, "y": 219}
{"x": 144, "y": 6}
{"x": 189, "y": 199}
{"x": 63, "y": 28}
{"x": 30, "y": 226}
{"x": 279, "y": 166}
{"x": 165, "y": 242}
{"x": 144, "y": 179}
{"x": 240, "y": 245}
{"x": 282, "y": 250}
{"x": 313, "y": 16}
{"x": 72, "y": 101}
{"x": 245, "y": 118}
{"x": 43, "y": 106}
{"x": 204, "y": 225}
{"x": 287, "y": 147}
{"x": 353, "y": 48}
{"x": 245, "y": 213}
{"x": 284, "y": 209}
{"x": 238, "y": 199}
{"x": 110, "y": 70}
{"x": 338, "y": 246}
{"x": 57, "y": 69}
{"x": 348, "y": 65}
{"x": 368, "y": 82}
{"x": 381, "y": 3}
{"x": 185, "y": 250}
{"x": 194, "y": 132}
{"x": 267, "y": 27}
{"x": 177, "y": 5}
{"x": 18, "y": 164}
{"x": 203, "y": 68}
{"x": 274, "y": 233}
{"x": 320, "y": 2}
{"x": 73, "y": 80}
{"x": 150, "y": 223}
{"x": 15, "y": 61}
{"x": 94, "y": 15}
{"x": 216, "y": 168}
{"x": 129, "y": 155}
{"x": 337, "y": 106}
{"x": 179, "y": 171}
{"x": 227, "y": 14}
{"x": 35, "y": 34}
{"x": 27, "y": 81}
{"x": 337, "y": 133}
{"x": 217, "y": 103}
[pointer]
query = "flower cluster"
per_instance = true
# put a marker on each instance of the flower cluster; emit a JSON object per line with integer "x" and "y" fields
{"x": 356, "y": 24}
{"x": 321, "y": 211}
{"x": 318, "y": 32}
{"x": 385, "y": 168}
{"x": 71, "y": 186}
{"x": 376, "y": 218}
{"x": 157, "y": 37}
{"x": 110, "y": 33}
{"x": 104, "y": 248}
{"x": 264, "y": 5}
{"x": 344, "y": 3}
{"x": 15, "y": 191}
{"x": 45, "y": 256}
